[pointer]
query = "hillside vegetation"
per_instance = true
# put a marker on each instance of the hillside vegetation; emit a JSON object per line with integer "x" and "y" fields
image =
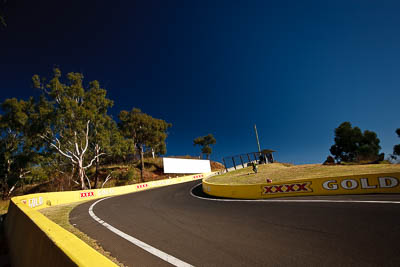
{"x": 117, "y": 174}
{"x": 278, "y": 172}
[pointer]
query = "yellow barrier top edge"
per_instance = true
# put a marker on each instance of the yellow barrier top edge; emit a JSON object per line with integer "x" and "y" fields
{"x": 205, "y": 180}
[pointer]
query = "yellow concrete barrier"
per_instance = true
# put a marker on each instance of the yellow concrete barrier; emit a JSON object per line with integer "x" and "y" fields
{"x": 354, "y": 184}
{"x": 34, "y": 240}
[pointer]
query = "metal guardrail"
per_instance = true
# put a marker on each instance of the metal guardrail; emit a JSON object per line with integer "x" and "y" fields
{"x": 242, "y": 160}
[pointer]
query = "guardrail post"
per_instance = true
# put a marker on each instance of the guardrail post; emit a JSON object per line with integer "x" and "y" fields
{"x": 226, "y": 168}
{"x": 241, "y": 160}
{"x": 234, "y": 163}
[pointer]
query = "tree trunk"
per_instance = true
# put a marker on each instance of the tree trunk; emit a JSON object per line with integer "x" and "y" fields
{"x": 6, "y": 187}
{"x": 22, "y": 181}
{"x": 71, "y": 177}
{"x": 82, "y": 174}
{"x": 141, "y": 163}
{"x": 96, "y": 178}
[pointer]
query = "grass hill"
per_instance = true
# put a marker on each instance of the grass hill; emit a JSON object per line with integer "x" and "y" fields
{"x": 278, "y": 172}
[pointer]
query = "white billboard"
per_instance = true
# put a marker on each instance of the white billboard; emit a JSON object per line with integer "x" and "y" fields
{"x": 175, "y": 165}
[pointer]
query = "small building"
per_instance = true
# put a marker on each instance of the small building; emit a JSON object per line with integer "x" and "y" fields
{"x": 267, "y": 156}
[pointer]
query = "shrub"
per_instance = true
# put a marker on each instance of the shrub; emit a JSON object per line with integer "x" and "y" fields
{"x": 329, "y": 161}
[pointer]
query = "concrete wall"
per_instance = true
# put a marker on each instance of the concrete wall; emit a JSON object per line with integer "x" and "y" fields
{"x": 353, "y": 184}
{"x": 34, "y": 240}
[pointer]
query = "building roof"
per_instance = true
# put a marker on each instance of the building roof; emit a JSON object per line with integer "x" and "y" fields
{"x": 267, "y": 151}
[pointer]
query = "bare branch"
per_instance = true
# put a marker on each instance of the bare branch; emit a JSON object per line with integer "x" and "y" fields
{"x": 22, "y": 174}
{"x": 12, "y": 189}
{"x": 91, "y": 162}
{"x": 45, "y": 90}
{"x": 70, "y": 143}
{"x": 58, "y": 148}
{"x": 87, "y": 137}
{"x": 72, "y": 154}
{"x": 58, "y": 141}
{"x": 63, "y": 153}
{"x": 109, "y": 177}
{"x": 90, "y": 187}
{"x": 76, "y": 144}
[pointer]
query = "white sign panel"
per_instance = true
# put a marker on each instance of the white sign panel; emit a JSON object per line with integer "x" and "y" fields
{"x": 175, "y": 165}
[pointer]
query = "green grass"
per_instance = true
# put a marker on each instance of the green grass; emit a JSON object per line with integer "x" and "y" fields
{"x": 4, "y": 206}
{"x": 279, "y": 172}
{"x": 60, "y": 215}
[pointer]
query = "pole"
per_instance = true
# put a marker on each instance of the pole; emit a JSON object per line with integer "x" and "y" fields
{"x": 258, "y": 142}
{"x": 241, "y": 160}
{"x": 226, "y": 168}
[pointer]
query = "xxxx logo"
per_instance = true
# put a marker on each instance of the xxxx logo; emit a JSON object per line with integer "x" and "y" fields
{"x": 87, "y": 194}
{"x": 142, "y": 186}
{"x": 287, "y": 188}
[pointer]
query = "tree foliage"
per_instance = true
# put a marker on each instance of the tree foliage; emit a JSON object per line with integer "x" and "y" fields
{"x": 78, "y": 127}
{"x": 396, "y": 148}
{"x": 352, "y": 145}
{"x": 144, "y": 131}
{"x": 67, "y": 130}
{"x": 19, "y": 144}
{"x": 2, "y": 19}
{"x": 205, "y": 142}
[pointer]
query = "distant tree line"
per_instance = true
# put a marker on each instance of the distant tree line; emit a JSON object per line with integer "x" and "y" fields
{"x": 2, "y": 18}
{"x": 205, "y": 143}
{"x": 354, "y": 146}
{"x": 68, "y": 129}
{"x": 396, "y": 148}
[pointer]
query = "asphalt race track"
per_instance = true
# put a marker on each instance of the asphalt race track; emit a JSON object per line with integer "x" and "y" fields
{"x": 263, "y": 233}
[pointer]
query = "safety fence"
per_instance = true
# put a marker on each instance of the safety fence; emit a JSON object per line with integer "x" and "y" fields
{"x": 242, "y": 160}
{"x": 34, "y": 240}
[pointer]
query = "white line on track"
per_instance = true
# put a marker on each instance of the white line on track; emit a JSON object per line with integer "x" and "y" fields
{"x": 296, "y": 200}
{"x": 156, "y": 252}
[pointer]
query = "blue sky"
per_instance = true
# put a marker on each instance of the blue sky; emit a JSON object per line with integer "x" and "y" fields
{"x": 297, "y": 69}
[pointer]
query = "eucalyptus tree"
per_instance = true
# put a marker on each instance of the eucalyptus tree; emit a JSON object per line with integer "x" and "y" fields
{"x": 205, "y": 142}
{"x": 144, "y": 131}
{"x": 78, "y": 126}
{"x": 396, "y": 148}
{"x": 102, "y": 125}
{"x": 352, "y": 145}
{"x": 2, "y": 19}
{"x": 19, "y": 145}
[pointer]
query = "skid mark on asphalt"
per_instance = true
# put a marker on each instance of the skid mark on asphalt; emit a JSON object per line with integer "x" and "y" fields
{"x": 156, "y": 252}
